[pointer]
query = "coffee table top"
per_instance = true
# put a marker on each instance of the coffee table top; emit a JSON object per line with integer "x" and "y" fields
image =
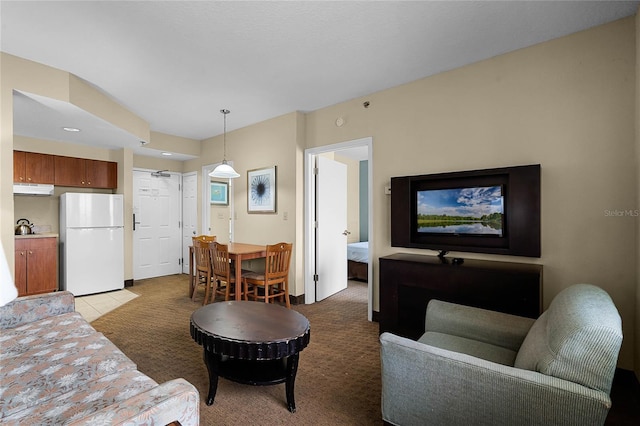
{"x": 250, "y": 330}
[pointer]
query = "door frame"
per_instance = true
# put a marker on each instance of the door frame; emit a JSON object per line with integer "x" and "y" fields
{"x": 185, "y": 265}
{"x": 206, "y": 205}
{"x": 309, "y": 209}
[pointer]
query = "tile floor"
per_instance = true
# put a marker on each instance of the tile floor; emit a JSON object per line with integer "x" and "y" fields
{"x": 93, "y": 306}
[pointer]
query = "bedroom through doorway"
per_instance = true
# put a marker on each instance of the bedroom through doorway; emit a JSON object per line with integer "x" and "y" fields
{"x": 356, "y": 155}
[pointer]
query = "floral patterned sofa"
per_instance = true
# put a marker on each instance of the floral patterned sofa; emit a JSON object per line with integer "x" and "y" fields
{"x": 57, "y": 369}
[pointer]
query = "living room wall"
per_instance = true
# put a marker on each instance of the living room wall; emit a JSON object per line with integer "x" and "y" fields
{"x": 567, "y": 104}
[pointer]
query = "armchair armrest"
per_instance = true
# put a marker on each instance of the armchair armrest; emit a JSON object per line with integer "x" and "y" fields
{"x": 491, "y": 327}
{"x": 419, "y": 383}
{"x": 26, "y": 309}
{"x": 175, "y": 400}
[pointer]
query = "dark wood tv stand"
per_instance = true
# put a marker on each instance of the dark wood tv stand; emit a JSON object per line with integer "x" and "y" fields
{"x": 409, "y": 281}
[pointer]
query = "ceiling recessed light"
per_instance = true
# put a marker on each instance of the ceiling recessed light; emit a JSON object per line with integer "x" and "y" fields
{"x": 167, "y": 153}
{"x": 70, "y": 129}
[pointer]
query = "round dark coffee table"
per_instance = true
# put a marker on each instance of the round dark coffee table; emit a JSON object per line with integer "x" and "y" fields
{"x": 253, "y": 343}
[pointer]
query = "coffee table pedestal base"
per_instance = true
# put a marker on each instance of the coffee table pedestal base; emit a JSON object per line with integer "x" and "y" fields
{"x": 253, "y": 372}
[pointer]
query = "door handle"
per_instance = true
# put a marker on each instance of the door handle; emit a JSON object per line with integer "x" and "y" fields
{"x": 346, "y": 232}
{"x": 134, "y": 222}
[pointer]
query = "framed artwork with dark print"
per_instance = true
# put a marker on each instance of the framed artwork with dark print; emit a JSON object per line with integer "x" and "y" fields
{"x": 261, "y": 194}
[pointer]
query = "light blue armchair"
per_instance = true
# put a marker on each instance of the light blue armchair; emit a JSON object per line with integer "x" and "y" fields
{"x": 479, "y": 367}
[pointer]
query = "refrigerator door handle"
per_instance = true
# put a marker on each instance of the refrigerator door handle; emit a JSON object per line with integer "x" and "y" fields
{"x": 134, "y": 222}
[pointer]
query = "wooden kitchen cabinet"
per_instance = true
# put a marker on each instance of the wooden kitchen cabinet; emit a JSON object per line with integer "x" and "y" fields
{"x": 70, "y": 171}
{"x": 32, "y": 167}
{"x": 81, "y": 172}
{"x": 36, "y": 265}
{"x": 102, "y": 174}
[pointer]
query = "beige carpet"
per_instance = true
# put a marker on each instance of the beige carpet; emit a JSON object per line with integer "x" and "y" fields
{"x": 338, "y": 380}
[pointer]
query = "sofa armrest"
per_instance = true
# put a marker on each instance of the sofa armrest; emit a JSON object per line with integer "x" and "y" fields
{"x": 491, "y": 327}
{"x": 423, "y": 383}
{"x": 26, "y": 309}
{"x": 175, "y": 400}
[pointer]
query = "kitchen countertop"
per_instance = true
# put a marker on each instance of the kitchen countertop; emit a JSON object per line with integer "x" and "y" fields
{"x": 45, "y": 235}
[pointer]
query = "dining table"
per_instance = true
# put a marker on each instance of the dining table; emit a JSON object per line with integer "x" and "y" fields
{"x": 237, "y": 253}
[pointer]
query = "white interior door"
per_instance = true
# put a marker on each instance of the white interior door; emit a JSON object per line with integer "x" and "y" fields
{"x": 331, "y": 227}
{"x": 189, "y": 215}
{"x": 157, "y": 239}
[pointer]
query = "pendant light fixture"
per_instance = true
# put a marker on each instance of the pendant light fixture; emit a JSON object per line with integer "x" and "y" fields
{"x": 224, "y": 170}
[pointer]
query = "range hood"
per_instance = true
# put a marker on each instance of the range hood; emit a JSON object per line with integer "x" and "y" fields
{"x": 32, "y": 189}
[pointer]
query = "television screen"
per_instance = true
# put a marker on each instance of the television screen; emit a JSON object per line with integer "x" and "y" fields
{"x": 461, "y": 211}
{"x": 483, "y": 211}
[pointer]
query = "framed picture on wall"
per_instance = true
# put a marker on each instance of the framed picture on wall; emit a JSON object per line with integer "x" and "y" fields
{"x": 220, "y": 193}
{"x": 261, "y": 194}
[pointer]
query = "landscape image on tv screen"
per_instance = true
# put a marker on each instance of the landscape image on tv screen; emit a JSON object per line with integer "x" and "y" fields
{"x": 461, "y": 211}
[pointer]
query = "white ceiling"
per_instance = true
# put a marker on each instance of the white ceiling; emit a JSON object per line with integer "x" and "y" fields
{"x": 177, "y": 63}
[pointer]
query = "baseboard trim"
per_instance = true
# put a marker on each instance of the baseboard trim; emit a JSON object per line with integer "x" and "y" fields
{"x": 296, "y": 300}
{"x": 299, "y": 300}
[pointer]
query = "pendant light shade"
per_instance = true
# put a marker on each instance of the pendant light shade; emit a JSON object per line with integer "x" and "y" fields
{"x": 224, "y": 170}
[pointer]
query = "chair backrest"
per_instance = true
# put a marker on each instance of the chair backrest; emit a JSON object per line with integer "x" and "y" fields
{"x": 201, "y": 250}
{"x": 577, "y": 338}
{"x": 220, "y": 261}
{"x": 205, "y": 238}
{"x": 276, "y": 268}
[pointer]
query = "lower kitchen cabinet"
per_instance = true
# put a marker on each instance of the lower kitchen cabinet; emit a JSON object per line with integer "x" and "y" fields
{"x": 36, "y": 265}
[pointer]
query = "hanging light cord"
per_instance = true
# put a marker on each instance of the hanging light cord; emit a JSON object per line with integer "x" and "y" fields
{"x": 224, "y": 170}
{"x": 224, "y": 135}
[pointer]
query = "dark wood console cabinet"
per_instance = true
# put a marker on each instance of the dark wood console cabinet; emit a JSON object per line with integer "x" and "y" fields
{"x": 409, "y": 281}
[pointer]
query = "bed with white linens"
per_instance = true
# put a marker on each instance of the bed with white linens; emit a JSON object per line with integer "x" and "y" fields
{"x": 357, "y": 261}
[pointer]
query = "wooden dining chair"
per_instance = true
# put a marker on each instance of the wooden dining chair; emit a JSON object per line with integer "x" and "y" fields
{"x": 205, "y": 238}
{"x": 224, "y": 272}
{"x": 192, "y": 280}
{"x": 274, "y": 282}
{"x": 203, "y": 269}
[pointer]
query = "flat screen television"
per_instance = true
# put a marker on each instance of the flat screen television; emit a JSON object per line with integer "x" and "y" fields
{"x": 484, "y": 211}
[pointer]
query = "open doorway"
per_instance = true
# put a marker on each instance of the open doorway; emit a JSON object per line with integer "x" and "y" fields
{"x": 360, "y": 149}
{"x": 217, "y": 219}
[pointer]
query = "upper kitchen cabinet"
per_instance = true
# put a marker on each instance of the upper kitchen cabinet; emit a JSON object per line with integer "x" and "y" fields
{"x": 102, "y": 174}
{"x": 86, "y": 173}
{"x": 31, "y": 167}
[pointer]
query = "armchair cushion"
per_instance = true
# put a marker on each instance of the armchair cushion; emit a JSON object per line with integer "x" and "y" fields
{"x": 472, "y": 347}
{"x": 495, "y": 328}
{"x": 577, "y": 338}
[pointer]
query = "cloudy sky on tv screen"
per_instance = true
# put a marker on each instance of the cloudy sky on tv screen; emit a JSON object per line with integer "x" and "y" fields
{"x": 476, "y": 210}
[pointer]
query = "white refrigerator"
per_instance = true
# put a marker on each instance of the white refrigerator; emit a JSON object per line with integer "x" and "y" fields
{"x": 91, "y": 242}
